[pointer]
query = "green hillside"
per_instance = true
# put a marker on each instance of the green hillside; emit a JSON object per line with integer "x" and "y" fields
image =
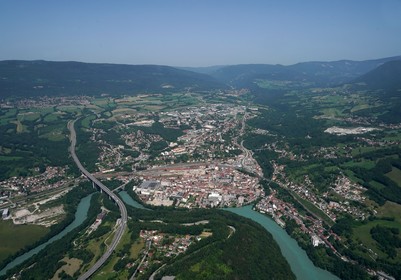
{"x": 34, "y": 78}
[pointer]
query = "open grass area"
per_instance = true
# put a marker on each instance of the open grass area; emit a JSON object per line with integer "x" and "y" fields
{"x": 107, "y": 271}
{"x": 71, "y": 266}
{"x": 6, "y": 158}
{"x": 123, "y": 111}
{"x": 368, "y": 164}
{"x": 87, "y": 121}
{"x": 153, "y": 108}
{"x": 332, "y": 112}
{"x": 100, "y": 101}
{"x": 42, "y": 110}
{"x": 98, "y": 245}
{"x": 15, "y": 237}
{"x": 377, "y": 185}
{"x": 393, "y": 136}
{"x": 361, "y": 234}
{"x": 361, "y": 150}
{"x": 28, "y": 116}
{"x": 19, "y": 126}
{"x": 136, "y": 248}
{"x": 51, "y": 117}
{"x": 395, "y": 175}
{"x": 313, "y": 209}
{"x": 70, "y": 109}
{"x": 95, "y": 247}
{"x": 360, "y": 107}
{"x": 54, "y": 136}
{"x": 390, "y": 209}
{"x": 9, "y": 115}
{"x": 297, "y": 173}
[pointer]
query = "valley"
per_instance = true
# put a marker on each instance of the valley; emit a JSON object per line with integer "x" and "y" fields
{"x": 321, "y": 159}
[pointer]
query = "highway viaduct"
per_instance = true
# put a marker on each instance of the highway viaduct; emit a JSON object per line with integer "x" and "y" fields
{"x": 123, "y": 210}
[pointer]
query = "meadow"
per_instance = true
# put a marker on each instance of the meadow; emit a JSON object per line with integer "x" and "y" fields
{"x": 16, "y": 237}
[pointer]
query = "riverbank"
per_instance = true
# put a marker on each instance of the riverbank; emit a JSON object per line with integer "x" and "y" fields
{"x": 299, "y": 261}
{"x": 80, "y": 217}
{"x": 300, "y": 264}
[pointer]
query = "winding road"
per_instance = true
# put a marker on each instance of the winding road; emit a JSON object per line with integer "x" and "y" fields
{"x": 120, "y": 231}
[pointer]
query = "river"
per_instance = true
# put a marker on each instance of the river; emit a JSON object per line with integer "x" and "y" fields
{"x": 300, "y": 264}
{"x": 80, "y": 217}
{"x": 128, "y": 200}
{"x": 299, "y": 261}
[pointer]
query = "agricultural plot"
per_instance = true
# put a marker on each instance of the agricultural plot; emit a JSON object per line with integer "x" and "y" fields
{"x": 362, "y": 234}
{"x": 395, "y": 175}
{"x": 14, "y": 237}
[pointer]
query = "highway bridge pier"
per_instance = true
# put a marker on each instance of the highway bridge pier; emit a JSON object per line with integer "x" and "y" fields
{"x": 96, "y": 183}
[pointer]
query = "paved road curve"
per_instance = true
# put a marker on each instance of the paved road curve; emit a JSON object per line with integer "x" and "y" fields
{"x": 120, "y": 231}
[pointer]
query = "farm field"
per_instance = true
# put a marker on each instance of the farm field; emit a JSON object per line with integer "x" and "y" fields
{"x": 15, "y": 237}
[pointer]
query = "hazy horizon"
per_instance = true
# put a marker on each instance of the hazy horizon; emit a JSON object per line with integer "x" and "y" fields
{"x": 205, "y": 66}
{"x": 199, "y": 33}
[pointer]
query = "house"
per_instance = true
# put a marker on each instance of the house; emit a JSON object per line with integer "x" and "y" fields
{"x": 6, "y": 213}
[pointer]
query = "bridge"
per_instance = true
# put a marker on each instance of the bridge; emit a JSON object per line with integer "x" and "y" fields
{"x": 123, "y": 223}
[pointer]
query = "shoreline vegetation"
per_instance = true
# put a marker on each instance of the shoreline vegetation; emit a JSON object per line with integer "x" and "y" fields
{"x": 350, "y": 179}
{"x": 70, "y": 202}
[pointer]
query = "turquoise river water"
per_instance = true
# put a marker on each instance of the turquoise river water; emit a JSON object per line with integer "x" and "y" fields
{"x": 301, "y": 265}
{"x": 80, "y": 217}
{"x": 299, "y": 261}
{"x": 128, "y": 200}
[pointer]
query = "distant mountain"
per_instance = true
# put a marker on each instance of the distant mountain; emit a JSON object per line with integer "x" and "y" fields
{"x": 28, "y": 78}
{"x": 387, "y": 76}
{"x": 317, "y": 73}
{"x": 208, "y": 70}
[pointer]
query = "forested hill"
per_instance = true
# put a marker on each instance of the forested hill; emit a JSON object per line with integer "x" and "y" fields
{"x": 317, "y": 73}
{"x": 32, "y": 78}
{"x": 387, "y": 76}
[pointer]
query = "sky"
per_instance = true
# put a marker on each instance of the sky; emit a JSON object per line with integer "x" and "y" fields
{"x": 199, "y": 32}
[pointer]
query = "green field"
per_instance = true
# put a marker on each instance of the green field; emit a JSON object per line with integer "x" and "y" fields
{"x": 28, "y": 116}
{"x": 362, "y": 234}
{"x": 332, "y": 112}
{"x": 54, "y": 136}
{"x": 368, "y": 164}
{"x": 87, "y": 121}
{"x": 51, "y": 117}
{"x": 393, "y": 136}
{"x": 395, "y": 175}
{"x": 15, "y": 237}
{"x": 107, "y": 271}
{"x": 70, "y": 109}
{"x": 313, "y": 209}
{"x": 390, "y": 209}
{"x": 361, "y": 150}
{"x": 6, "y": 158}
{"x": 377, "y": 185}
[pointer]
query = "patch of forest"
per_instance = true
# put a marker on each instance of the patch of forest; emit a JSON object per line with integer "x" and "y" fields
{"x": 249, "y": 253}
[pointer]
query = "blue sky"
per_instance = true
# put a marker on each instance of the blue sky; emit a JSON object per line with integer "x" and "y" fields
{"x": 199, "y": 33}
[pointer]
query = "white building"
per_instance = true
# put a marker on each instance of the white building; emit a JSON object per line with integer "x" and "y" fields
{"x": 316, "y": 241}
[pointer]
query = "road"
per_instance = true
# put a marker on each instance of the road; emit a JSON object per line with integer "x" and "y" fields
{"x": 149, "y": 243}
{"x": 120, "y": 231}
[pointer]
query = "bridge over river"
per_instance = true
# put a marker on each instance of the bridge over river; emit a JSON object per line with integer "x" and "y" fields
{"x": 123, "y": 224}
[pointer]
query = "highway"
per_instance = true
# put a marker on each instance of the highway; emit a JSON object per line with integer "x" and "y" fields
{"x": 120, "y": 231}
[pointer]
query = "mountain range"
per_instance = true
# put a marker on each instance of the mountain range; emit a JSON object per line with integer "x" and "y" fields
{"x": 30, "y": 78}
{"x": 387, "y": 76}
{"x": 319, "y": 73}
